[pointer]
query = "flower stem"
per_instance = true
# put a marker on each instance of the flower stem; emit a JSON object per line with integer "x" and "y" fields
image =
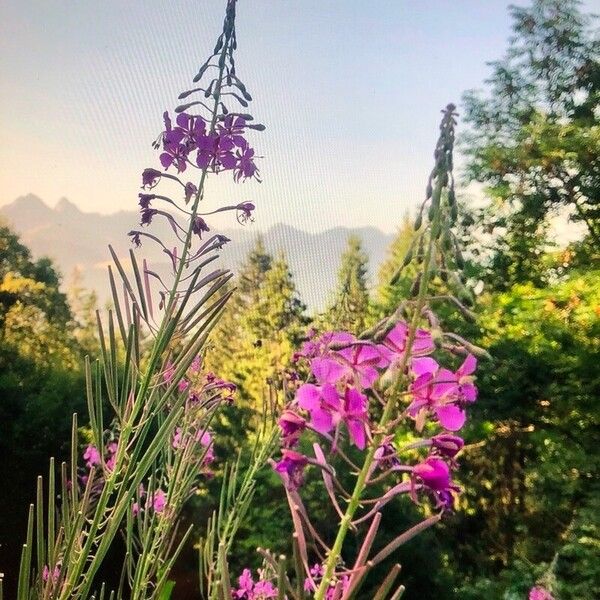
{"x": 388, "y": 411}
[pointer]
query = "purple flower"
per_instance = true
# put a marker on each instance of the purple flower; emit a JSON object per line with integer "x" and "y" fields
{"x": 264, "y": 590}
{"x": 147, "y": 215}
{"x": 291, "y": 466}
{"x": 199, "y": 226}
{"x": 159, "y": 501}
{"x": 91, "y": 456}
{"x": 246, "y": 585}
{"x": 434, "y": 474}
{"x": 245, "y": 212}
{"x": 245, "y": 166}
{"x": 540, "y": 593}
{"x": 327, "y": 410}
{"x": 435, "y": 390}
{"x": 447, "y": 445}
{"x": 174, "y": 153}
{"x": 355, "y": 416}
{"x": 190, "y": 128}
{"x": 292, "y": 425}
{"x": 394, "y": 345}
{"x": 233, "y": 128}
{"x": 321, "y": 403}
{"x": 386, "y": 455}
{"x": 466, "y": 389}
{"x": 206, "y": 150}
{"x": 190, "y": 191}
{"x": 359, "y": 362}
{"x": 150, "y": 177}
{"x": 145, "y": 200}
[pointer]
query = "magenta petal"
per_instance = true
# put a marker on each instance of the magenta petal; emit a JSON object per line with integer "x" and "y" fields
{"x": 423, "y": 365}
{"x": 308, "y": 397}
{"x": 469, "y": 366}
{"x": 368, "y": 376}
{"x": 331, "y": 397}
{"x": 166, "y": 160}
{"x": 338, "y": 337}
{"x": 469, "y": 392}
{"x": 356, "y": 429}
{"x": 356, "y": 403}
{"x": 397, "y": 336}
{"x": 321, "y": 420}
{"x": 326, "y": 370}
{"x": 423, "y": 342}
{"x": 451, "y": 417}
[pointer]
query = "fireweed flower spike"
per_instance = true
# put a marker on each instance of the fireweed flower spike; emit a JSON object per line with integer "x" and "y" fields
{"x": 143, "y": 464}
{"x": 400, "y": 371}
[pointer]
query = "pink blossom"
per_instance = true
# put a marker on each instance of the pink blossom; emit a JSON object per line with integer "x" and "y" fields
{"x": 540, "y": 593}
{"x": 54, "y": 576}
{"x": 435, "y": 390}
{"x": 291, "y": 467}
{"x": 434, "y": 474}
{"x": 91, "y": 456}
{"x": 395, "y": 343}
{"x": 327, "y": 410}
{"x": 292, "y": 425}
{"x": 447, "y": 444}
{"x": 159, "y": 501}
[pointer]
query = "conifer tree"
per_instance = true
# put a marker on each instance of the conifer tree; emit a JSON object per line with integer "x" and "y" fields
{"x": 273, "y": 326}
{"x": 350, "y": 307}
{"x": 228, "y": 335}
{"x": 388, "y": 295}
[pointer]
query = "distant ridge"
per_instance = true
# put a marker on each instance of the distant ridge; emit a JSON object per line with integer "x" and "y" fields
{"x": 77, "y": 239}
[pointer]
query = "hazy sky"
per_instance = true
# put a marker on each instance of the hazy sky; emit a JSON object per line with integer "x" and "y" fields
{"x": 350, "y": 91}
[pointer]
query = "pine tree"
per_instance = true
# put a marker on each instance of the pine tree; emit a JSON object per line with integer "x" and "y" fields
{"x": 350, "y": 307}
{"x": 83, "y": 304}
{"x": 389, "y": 296}
{"x": 228, "y": 334}
{"x": 273, "y": 326}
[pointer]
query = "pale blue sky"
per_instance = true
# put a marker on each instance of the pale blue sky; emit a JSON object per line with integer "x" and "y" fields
{"x": 350, "y": 91}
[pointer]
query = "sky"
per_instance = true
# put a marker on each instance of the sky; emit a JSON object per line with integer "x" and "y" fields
{"x": 350, "y": 92}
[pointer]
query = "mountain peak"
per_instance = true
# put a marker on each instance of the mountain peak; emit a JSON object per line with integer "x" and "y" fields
{"x": 65, "y": 205}
{"x": 28, "y": 202}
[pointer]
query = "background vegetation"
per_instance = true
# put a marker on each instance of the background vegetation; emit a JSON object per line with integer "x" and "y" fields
{"x": 531, "y": 502}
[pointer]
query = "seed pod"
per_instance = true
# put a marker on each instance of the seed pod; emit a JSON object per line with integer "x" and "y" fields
{"x": 421, "y": 250}
{"x": 429, "y": 190}
{"x": 451, "y": 197}
{"x": 416, "y": 285}
{"x": 408, "y": 257}
{"x": 446, "y": 240}
{"x": 458, "y": 257}
{"x": 418, "y": 221}
{"x": 199, "y": 74}
{"x": 453, "y": 213}
{"x": 219, "y": 44}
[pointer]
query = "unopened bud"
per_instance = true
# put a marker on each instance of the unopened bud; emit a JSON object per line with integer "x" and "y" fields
{"x": 416, "y": 285}
{"x": 418, "y": 221}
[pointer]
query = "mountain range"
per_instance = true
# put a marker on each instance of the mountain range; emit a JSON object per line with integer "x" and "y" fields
{"x": 78, "y": 240}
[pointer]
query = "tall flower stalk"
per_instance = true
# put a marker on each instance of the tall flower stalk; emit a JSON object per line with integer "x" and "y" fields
{"x": 362, "y": 389}
{"x": 141, "y": 469}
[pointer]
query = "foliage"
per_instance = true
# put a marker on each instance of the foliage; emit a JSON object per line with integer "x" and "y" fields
{"x": 350, "y": 307}
{"x": 534, "y": 137}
